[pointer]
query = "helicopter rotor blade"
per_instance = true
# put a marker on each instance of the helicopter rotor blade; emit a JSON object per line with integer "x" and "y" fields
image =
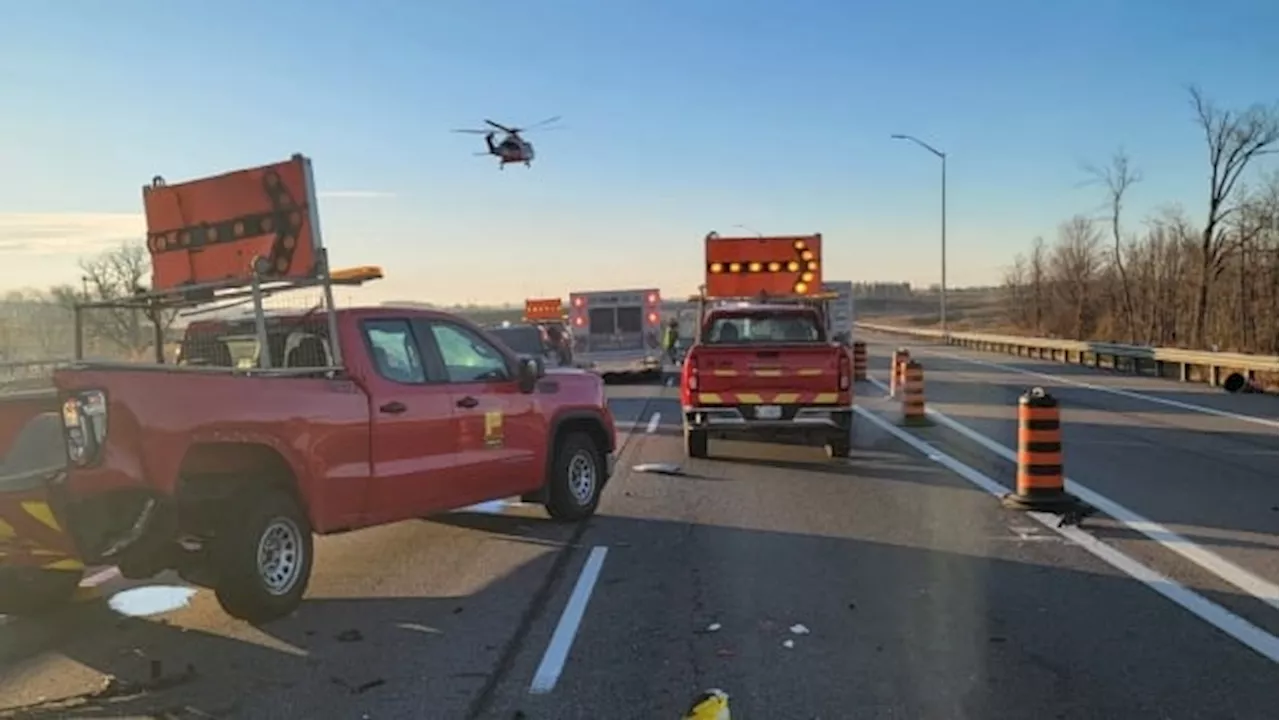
{"x": 473, "y": 132}
{"x": 503, "y": 128}
{"x": 548, "y": 121}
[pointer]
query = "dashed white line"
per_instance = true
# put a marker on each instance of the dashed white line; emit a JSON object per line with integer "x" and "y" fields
{"x": 653, "y": 423}
{"x": 1210, "y": 561}
{"x": 1241, "y": 630}
{"x": 552, "y": 665}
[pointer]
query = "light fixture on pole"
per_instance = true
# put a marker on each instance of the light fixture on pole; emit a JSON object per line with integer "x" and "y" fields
{"x": 943, "y": 157}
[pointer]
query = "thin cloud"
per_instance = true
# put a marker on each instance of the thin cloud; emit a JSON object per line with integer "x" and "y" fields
{"x": 73, "y": 234}
{"x": 355, "y": 194}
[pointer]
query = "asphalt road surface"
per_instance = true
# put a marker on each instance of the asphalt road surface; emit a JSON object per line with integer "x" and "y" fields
{"x": 882, "y": 586}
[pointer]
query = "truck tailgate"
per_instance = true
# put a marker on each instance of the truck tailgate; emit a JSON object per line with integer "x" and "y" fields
{"x": 779, "y": 370}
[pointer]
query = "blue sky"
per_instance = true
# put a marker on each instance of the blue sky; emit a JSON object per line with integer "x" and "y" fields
{"x": 680, "y": 118}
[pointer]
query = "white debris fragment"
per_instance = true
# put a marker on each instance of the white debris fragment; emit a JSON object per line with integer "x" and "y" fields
{"x": 799, "y": 629}
{"x": 788, "y": 643}
{"x": 713, "y": 627}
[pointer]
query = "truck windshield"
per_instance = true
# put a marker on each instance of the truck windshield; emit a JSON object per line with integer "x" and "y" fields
{"x": 763, "y": 327}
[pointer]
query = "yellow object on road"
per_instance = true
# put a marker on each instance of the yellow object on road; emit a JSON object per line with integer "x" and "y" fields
{"x": 710, "y": 705}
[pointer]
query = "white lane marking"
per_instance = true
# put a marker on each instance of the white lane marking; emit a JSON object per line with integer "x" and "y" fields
{"x": 1117, "y": 391}
{"x": 548, "y": 672}
{"x": 1210, "y": 561}
{"x": 1246, "y": 633}
{"x": 653, "y": 423}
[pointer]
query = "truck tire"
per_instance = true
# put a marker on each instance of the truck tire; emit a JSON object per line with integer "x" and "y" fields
{"x": 695, "y": 442}
{"x": 262, "y": 556}
{"x": 32, "y": 591}
{"x": 577, "y": 478}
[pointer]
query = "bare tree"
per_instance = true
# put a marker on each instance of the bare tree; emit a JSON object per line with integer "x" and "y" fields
{"x": 116, "y": 275}
{"x": 1235, "y": 140}
{"x": 1117, "y": 178}
{"x": 1036, "y": 270}
{"x": 1075, "y": 262}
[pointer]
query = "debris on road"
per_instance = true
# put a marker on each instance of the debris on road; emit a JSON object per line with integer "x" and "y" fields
{"x": 788, "y": 643}
{"x": 713, "y": 627}
{"x": 658, "y": 468}
{"x": 712, "y": 704}
{"x": 349, "y": 635}
{"x": 799, "y": 629}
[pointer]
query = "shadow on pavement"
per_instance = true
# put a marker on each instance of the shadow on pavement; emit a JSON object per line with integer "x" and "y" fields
{"x": 897, "y": 629}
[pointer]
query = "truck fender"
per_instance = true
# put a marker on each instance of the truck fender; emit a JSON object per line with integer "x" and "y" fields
{"x": 588, "y": 419}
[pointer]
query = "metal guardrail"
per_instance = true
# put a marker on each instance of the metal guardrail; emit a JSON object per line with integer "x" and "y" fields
{"x": 1134, "y": 358}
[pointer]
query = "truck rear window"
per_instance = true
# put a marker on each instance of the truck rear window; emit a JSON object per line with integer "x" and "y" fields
{"x": 763, "y": 327}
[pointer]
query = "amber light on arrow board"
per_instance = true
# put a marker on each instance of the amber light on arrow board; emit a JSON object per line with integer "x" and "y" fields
{"x": 543, "y": 309}
{"x": 747, "y": 267}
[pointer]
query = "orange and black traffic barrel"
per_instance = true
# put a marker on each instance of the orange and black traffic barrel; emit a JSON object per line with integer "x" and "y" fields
{"x": 859, "y": 360}
{"x": 913, "y": 393}
{"x": 1040, "y": 479}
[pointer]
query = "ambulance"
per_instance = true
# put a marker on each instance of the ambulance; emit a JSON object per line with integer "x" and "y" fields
{"x": 617, "y": 332}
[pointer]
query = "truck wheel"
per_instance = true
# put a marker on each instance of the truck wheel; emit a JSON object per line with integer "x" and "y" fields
{"x": 32, "y": 591}
{"x": 695, "y": 442}
{"x": 577, "y": 478}
{"x": 838, "y": 446}
{"x": 262, "y": 557}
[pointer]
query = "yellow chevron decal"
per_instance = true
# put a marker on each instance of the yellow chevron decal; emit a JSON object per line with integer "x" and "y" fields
{"x": 41, "y": 511}
{"x": 65, "y": 564}
{"x": 809, "y": 372}
{"x": 826, "y": 398}
{"x": 750, "y": 399}
{"x": 786, "y": 398}
{"x": 766, "y": 373}
{"x": 710, "y": 398}
{"x": 725, "y": 373}
{"x": 6, "y": 531}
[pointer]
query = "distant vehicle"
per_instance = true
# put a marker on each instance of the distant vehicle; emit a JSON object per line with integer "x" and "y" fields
{"x": 617, "y": 332}
{"x": 839, "y": 311}
{"x": 532, "y": 340}
{"x": 512, "y": 148}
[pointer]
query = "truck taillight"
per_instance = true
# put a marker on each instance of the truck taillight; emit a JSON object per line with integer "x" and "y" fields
{"x": 846, "y": 370}
{"x": 84, "y": 424}
{"x": 579, "y": 302}
{"x": 653, "y": 298}
{"x": 653, "y": 318}
{"x": 689, "y": 379}
{"x": 579, "y": 321}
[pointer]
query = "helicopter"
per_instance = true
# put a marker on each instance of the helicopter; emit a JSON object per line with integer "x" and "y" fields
{"x": 511, "y": 148}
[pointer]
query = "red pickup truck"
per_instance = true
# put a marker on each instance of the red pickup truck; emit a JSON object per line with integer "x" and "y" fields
{"x": 767, "y": 371}
{"x": 223, "y": 470}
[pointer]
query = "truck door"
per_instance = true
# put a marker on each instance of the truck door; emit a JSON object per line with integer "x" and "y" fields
{"x": 414, "y": 447}
{"x": 500, "y": 435}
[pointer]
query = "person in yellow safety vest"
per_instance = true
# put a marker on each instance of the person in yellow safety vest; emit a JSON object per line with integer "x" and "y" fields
{"x": 669, "y": 338}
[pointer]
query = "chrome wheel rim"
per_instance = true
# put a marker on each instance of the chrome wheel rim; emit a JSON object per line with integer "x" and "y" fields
{"x": 582, "y": 477}
{"x": 280, "y": 556}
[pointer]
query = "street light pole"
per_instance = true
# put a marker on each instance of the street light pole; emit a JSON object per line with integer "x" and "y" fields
{"x": 942, "y": 157}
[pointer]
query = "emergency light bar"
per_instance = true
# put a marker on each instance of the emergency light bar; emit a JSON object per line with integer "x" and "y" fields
{"x": 774, "y": 266}
{"x": 356, "y": 275}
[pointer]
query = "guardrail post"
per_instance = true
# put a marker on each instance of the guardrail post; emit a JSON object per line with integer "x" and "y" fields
{"x": 1040, "y": 480}
{"x": 913, "y": 393}
{"x": 859, "y": 360}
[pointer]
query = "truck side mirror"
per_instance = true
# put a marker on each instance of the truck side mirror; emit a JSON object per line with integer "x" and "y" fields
{"x": 530, "y": 370}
